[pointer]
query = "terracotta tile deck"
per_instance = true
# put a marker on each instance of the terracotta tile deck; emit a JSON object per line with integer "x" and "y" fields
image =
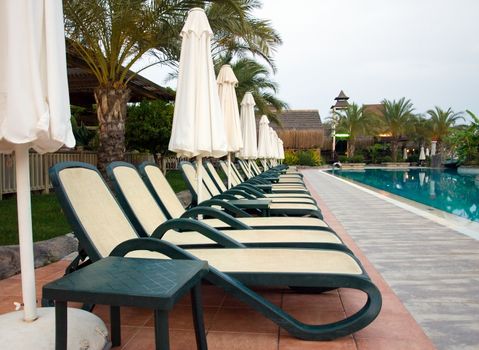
{"x": 233, "y": 325}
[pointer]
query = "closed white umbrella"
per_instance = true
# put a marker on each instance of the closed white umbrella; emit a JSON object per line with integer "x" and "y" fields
{"x": 405, "y": 154}
{"x": 274, "y": 146}
{"x": 280, "y": 149}
{"x": 433, "y": 148}
{"x": 34, "y": 113}
{"x": 422, "y": 154}
{"x": 248, "y": 129}
{"x": 229, "y": 104}
{"x": 427, "y": 152}
{"x": 264, "y": 139}
{"x": 34, "y": 106}
{"x": 198, "y": 124}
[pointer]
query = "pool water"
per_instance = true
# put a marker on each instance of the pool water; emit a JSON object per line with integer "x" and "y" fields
{"x": 441, "y": 189}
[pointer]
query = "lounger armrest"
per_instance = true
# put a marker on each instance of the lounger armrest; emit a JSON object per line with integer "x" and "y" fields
{"x": 151, "y": 244}
{"x": 225, "y": 195}
{"x": 239, "y": 213}
{"x": 251, "y": 189}
{"x": 218, "y": 214}
{"x": 197, "y": 226}
{"x": 239, "y": 192}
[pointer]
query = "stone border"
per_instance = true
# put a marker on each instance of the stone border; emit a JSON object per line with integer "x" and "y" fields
{"x": 45, "y": 252}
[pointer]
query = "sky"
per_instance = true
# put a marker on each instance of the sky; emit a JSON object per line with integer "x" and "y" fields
{"x": 424, "y": 50}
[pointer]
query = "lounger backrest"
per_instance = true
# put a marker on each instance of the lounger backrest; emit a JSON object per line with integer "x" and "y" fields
{"x": 189, "y": 172}
{"x": 210, "y": 185}
{"x": 234, "y": 179}
{"x": 98, "y": 221}
{"x": 255, "y": 167}
{"x": 214, "y": 174}
{"x": 237, "y": 172}
{"x": 137, "y": 197}
{"x": 245, "y": 168}
{"x": 163, "y": 190}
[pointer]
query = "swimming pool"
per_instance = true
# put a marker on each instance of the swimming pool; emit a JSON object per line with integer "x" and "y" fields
{"x": 441, "y": 189}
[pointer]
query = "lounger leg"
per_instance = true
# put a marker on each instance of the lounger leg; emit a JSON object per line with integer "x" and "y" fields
{"x": 161, "y": 330}
{"x": 61, "y": 325}
{"x": 198, "y": 317}
{"x": 115, "y": 325}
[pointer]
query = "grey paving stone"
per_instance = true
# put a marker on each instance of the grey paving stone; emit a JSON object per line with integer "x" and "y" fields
{"x": 433, "y": 269}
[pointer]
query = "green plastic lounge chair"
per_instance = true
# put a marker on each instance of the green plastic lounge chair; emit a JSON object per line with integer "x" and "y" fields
{"x": 146, "y": 215}
{"x": 247, "y": 191}
{"x": 253, "y": 191}
{"x": 275, "y": 209}
{"x": 173, "y": 209}
{"x": 103, "y": 229}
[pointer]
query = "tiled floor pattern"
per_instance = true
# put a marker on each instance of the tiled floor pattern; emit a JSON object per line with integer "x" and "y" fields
{"x": 233, "y": 325}
{"x": 433, "y": 269}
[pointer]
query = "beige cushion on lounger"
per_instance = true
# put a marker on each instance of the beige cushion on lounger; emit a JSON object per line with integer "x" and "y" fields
{"x": 272, "y": 221}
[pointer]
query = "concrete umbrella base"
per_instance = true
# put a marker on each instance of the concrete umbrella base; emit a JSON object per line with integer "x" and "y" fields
{"x": 85, "y": 331}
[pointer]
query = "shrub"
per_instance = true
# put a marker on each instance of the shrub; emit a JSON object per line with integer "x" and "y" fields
{"x": 343, "y": 159}
{"x": 385, "y": 159}
{"x": 290, "y": 158}
{"x": 357, "y": 158}
{"x": 309, "y": 158}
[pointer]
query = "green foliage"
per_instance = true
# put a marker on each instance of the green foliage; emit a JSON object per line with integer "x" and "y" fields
{"x": 376, "y": 152}
{"x": 357, "y": 158}
{"x": 442, "y": 121}
{"x": 148, "y": 126}
{"x": 355, "y": 121}
{"x": 385, "y": 159}
{"x": 465, "y": 142}
{"x": 175, "y": 179}
{"x": 47, "y": 218}
{"x": 291, "y": 158}
{"x": 83, "y": 136}
{"x": 396, "y": 120}
{"x": 308, "y": 158}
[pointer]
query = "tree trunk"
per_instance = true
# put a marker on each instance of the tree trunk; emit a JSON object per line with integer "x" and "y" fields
{"x": 351, "y": 148}
{"x": 394, "y": 150}
{"x": 111, "y": 113}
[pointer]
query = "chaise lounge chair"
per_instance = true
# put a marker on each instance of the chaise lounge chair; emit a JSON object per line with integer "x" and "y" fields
{"x": 103, "y": 229}
{"x": 173, "y": 209}
{"x": 275, "y": 209}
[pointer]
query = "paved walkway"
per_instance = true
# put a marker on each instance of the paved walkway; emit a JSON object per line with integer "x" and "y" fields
{"x": 433, "y": 269}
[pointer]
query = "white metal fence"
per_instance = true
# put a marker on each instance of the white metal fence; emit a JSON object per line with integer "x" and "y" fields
{"x": 40, "y": 163}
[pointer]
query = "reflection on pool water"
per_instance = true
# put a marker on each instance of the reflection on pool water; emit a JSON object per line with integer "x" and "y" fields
{"x": 441, "y": 189}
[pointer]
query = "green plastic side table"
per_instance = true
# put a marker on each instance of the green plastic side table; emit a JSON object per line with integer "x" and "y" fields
{"x": 115, "y": 281}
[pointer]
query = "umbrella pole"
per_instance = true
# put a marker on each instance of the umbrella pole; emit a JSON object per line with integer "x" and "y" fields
{"x": 199, "y": 178}
{"x": 24, "y": 210}
{"x": 229, "y": 170}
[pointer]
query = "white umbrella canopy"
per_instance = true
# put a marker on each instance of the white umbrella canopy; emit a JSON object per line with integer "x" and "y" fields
{"x": 34, "y": 105}
{"x": 264, "y": 138}
{"x": 280, "y": 149}
{"x": 198, "y": 123}
{"x": 273, "y": 146}
{"x": 35, "y": 113}
{"x": 422, "y": 154}
{"x": 248, "y": 128}
{"x": 229, "y": 104}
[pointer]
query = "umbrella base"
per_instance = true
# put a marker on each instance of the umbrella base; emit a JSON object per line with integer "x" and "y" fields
{"x": 85, "y": 331}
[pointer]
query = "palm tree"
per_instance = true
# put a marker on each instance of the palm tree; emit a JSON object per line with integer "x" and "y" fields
{"x": 441, "y": 122}
{"x": 420, "y": 131}
{"x": 355, "y": 121}
{"x": 396, "y": 121}
{"x": 255, "y": 77}
{"x": 112, "y": 35}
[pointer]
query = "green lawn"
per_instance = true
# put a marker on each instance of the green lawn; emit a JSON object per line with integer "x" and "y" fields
{"x": 48, "y": 219}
